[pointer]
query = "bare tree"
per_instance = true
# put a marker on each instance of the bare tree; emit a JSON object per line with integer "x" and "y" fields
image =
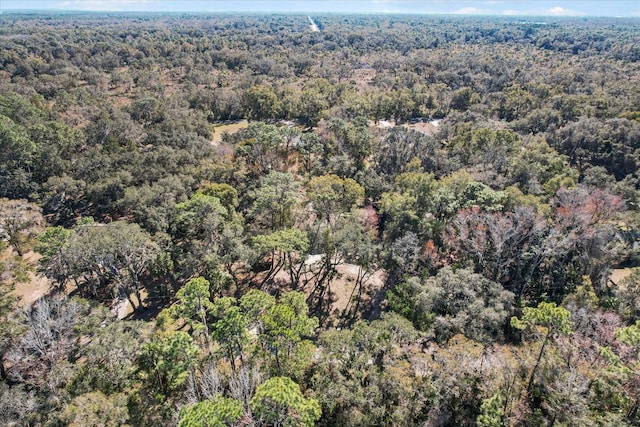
{"x": 49, "y": 339}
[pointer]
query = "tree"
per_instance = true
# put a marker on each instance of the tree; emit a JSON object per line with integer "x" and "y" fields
{"x": 194, "y": 305}
{"x": 492, "y": 413}
{"x": 198, "y": 228}
{"x": 261, "y": 103}
{"x": 57, "y": 145}
{"x": 369, "y": 374}
{"x": 286, "y": 327}
{"x": 274, "y": 201}
{"x": 400, "y": 146}
{"x": 332, "y": 196}
{"x": 17, "y": 220}
{"x": 260, "y": 146}
{"x": 357, "y": 246}
{"x": 230, "y": 329}
{"x": 312, "y": 106}
{"x": 310, "y": 149}
{"x": 352, "y": 139}
{"x": 454, "y": 302}
{"x": 553, "y": 321}
{"x": 279, "y": 402}
{"x": 462, "y": 98}
{"x": 217, "y": 412}
{"x": 516, "y": 103}
{"x": 109, "y": 353}
{"x": 54, "y": 263}
{"x": 50, "y": 338}
{"x": 17, "y": 405}
{"x": 283, "y": 330}
{"x": 114, "y": 255}
{"x": 134, "y": 250}
{"x": 539, "y": 169}
{"x": 146, "y": 111}
{"x": 96, "y": 409}
{"x": 167, "y": 363}
{"x": 225, "y": 193}
{"x": 286, "y": 248}
{"x": 9, "y": 328}
{"x": 17, "y": 152}
{"x": 51, "y": 241}
{"x": 210, "y": 233}
{"x": 628, "y": 296}
{"x": 506, "y": 247}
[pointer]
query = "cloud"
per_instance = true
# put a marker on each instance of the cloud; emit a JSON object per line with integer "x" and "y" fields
{"x": 553, "y": 11}
{"x": 472, "y": 11}
{"x": 561, "y": 11}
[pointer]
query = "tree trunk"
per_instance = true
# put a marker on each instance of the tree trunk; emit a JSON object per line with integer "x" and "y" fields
{"x": 3, "y": 372}
{"x": 535, "y": 367}
{"x": 140, "y": 308}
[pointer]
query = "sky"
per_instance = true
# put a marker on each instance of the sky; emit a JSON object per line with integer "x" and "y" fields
{"x": 624, "y": 8}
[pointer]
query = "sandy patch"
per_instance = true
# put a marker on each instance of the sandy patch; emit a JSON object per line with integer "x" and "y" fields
{"x": 342, "y": 288}
{"x": 230, "y": 128}
{"x": 36, "y": 285}
{"x": 619, "y": 274}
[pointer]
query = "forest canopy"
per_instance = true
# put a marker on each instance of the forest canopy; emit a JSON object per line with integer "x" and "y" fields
{"x": 212, "y": 220}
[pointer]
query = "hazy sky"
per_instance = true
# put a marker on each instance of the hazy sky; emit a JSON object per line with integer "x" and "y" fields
{"x": 499, "y": 7}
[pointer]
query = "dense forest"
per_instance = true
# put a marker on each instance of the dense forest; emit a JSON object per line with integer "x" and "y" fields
{"x": 282, "y": 220}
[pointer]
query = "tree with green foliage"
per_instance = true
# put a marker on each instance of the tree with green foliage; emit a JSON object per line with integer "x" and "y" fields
{"x": 113, "y": 256}
{"x": 17, "y": 152}
{"x": 492, "y": 414}
{"x": 311, "y": 151}
{"x": 261, "y": 103}
{"x": 352, "y": 139}
{"x": 217, "y": 412}
{"x": 279, "y": 402}
{"x": 203, "y": 231}
{"x": 194, "y": 305}
{"x": 332, "y": 196}
{"x": 628, "y": 296}
{"x": 453, "y": 302}
{"x": 95, "y": 408}
{"x": 274, "y": 201}
{"x": 255, "y": 304}
{"x": 547, "y": 319}
{"x": 369, "y": 374}
{"x": 230, "y": 329}
{"x": 166, "y": 363}
{"x": 286, "y": 327}
{"x": 261, "y": 148}
{"x": 109, "y": 358}
{"x": 286, "y": 249}
{"x": 539, "y": 169}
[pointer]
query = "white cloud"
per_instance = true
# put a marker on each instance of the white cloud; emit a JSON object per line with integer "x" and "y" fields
{"x": 472, "y": 11}
{"x": 554, "y": 11}
{"x": 561, "y": 11}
